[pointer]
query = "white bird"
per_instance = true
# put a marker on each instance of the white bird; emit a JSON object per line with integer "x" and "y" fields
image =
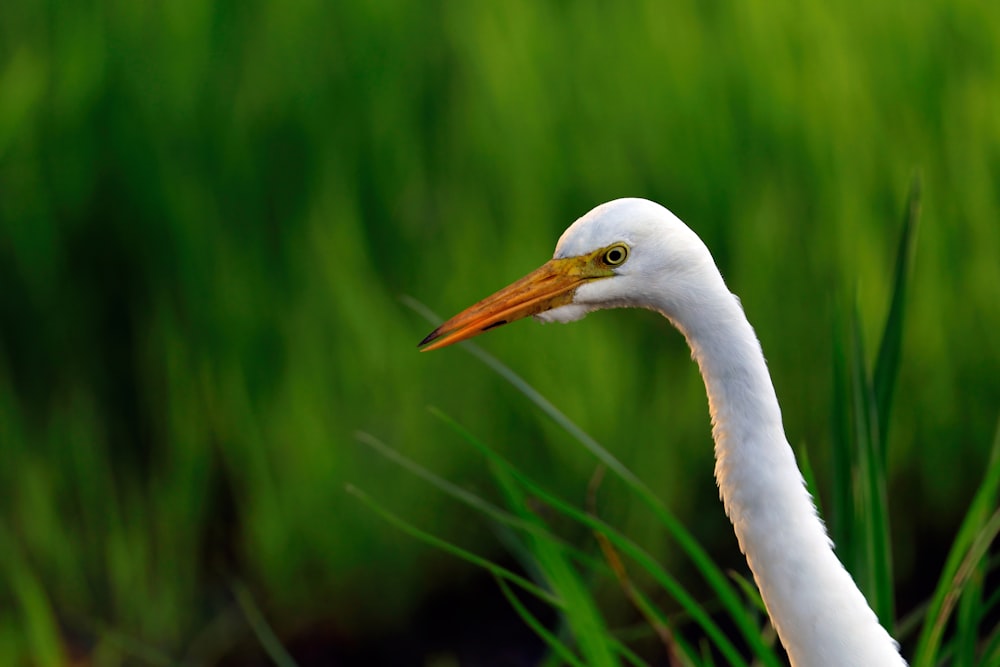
{"x": 635, "y": 253}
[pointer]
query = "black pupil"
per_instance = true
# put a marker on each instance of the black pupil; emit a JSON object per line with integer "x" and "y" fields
{"x": 614, "y": 256}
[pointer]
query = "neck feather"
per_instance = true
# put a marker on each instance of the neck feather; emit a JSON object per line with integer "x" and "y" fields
{"x": 818, "y": 611}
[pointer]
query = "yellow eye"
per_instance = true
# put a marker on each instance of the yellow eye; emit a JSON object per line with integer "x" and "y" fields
{"x": 616, "y": 254}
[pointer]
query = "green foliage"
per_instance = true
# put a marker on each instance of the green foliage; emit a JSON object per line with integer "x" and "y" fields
{"x": 861, "y": 428}
{"x": 961, "y": 581}
{"x": 208, "y": 212}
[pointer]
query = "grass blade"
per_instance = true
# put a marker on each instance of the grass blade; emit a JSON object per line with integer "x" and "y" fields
{"x": 450, "y": 488}
{"x": 861, "y": 408}
{"x": 43, "y": 637}
{"x": 874, "y": 562}
{"x": 968, "y": 617}
{"x": 628, "y": 654}
{"x": 579, "y": 609}
{"x": 750, "y": 591}
{"x": 890, "y": 349}
{"x": 978, "y": 529}
{"x": 651, "y": 614}
{"x": 554, "y": 643}
{"x": 454, "y": 550}
{"x": 502, "y": 517}
{"x": 670, "y": 585}
{"x": 261, "y": 629}
{"x": 991, "y": 647}
{"x": 841, "y": 520}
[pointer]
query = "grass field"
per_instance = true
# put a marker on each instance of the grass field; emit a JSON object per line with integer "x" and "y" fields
{"x": 209, "y": 214}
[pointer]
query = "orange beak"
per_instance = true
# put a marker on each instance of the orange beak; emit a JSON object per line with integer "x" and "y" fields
{"x": 549, "y": 286}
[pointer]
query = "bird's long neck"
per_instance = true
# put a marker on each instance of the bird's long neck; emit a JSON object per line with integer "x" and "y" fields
{"x": 818, "y": 611}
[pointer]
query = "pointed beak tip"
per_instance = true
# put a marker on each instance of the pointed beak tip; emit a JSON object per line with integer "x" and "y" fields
{"x": 428, "y": 339}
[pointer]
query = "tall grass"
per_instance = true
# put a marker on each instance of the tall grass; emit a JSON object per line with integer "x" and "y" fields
{"x": 208, "y": 211}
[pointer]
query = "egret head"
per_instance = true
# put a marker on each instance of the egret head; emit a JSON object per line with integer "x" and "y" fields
{"x": 625, "y": 253}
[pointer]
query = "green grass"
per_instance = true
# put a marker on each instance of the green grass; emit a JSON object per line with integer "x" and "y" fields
{"x": 208, "y": 213}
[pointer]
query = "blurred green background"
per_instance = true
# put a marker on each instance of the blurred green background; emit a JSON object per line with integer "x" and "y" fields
{"x": 209, "y": 212}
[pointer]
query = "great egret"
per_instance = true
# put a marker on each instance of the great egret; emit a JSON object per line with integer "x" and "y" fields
{"x": 635, "y": 253}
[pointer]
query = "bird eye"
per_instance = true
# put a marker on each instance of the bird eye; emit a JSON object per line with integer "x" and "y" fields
{"x": 615, "y": 255}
